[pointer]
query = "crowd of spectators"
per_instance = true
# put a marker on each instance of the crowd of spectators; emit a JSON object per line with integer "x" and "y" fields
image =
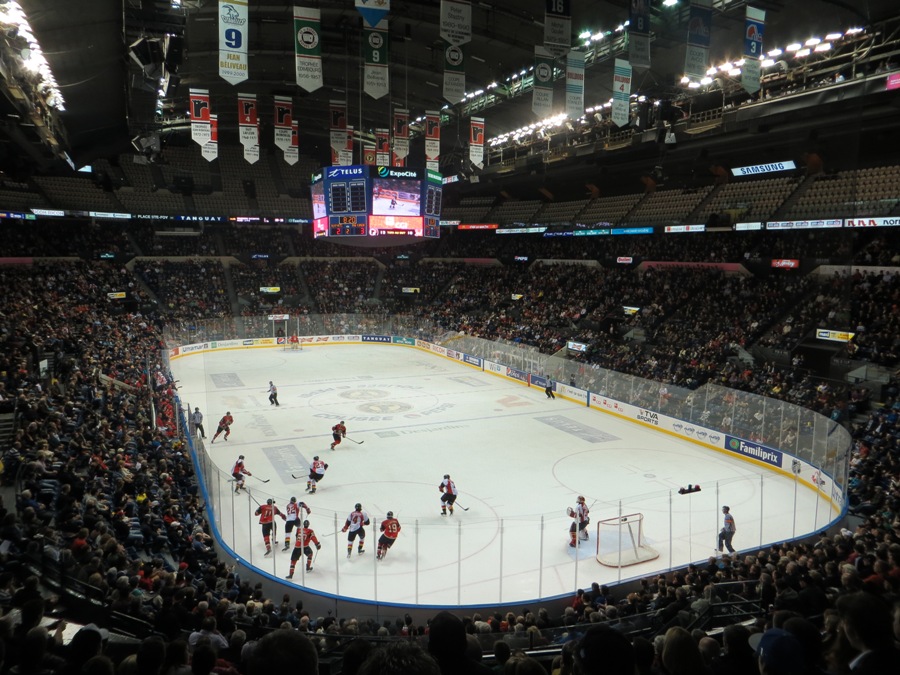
{"x": 339, "y": 287}
{"x": 107, "y": 488}
{"x": 249, "y": 279}
{"x": 188, "y": 289}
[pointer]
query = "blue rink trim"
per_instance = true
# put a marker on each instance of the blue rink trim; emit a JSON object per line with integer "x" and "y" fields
{"x": 577, "y": 429}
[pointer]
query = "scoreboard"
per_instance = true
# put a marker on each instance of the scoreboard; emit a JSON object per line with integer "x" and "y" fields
{"x": 359, "y": 201}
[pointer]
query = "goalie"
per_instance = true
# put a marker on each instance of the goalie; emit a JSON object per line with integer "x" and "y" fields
{"x": 581, "y": 517}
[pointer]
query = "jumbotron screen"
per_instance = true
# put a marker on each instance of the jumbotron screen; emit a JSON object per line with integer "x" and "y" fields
{"x": 376, "y": 201}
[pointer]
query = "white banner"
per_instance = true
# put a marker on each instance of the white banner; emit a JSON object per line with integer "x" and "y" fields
{"x": 292, "y": 152}
{"x": 476, "y": 142}
{"x": 308, "y": 48}
{"x": 210, "y": 149}
{"x": 542, "y": 93}
{"x": 456, "y": 21}
{"x": 233, "y": 38}
{"x": 376, "y": 78}
{"x": 284, "y": 117}
{"x": 621, "y": 92}
{"x": 575, "y": 84}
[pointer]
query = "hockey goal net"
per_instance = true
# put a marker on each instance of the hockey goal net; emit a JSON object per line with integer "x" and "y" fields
{"x": 620, "y": 541}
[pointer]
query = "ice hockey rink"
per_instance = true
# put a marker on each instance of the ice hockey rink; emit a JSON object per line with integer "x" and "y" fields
{"x": 518, "y": 458}
{"x": 382, "y": 205}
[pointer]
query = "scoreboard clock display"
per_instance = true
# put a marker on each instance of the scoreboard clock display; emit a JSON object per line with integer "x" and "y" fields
{"x": 347, "y": 226}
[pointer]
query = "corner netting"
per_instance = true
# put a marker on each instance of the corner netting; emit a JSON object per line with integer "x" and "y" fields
{"x": 620, "y": 541}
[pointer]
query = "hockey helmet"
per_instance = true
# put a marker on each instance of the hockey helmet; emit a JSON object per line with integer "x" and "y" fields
{"x": 269, "y": 501}
{"x": 390, "y": 514}
{"x": 197, "y": 409}
{"x": 293, "y": 499}
{"x": 305, "y": 523}
{"x": 446, "y": 475}
{"x": 316, "y": 458}
{"x": 358, "y": 506}
{"x": 342, "y": 421}
{"x": 227, "y": 412}
{"x": 240, "y": 457}
{"x": 580, "y": 499}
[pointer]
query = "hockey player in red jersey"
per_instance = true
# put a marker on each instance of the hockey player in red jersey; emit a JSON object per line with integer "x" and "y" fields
{"x": 338, "y": 431}
{"x": 450, "y": 493}
{"x": 238, "y": 472}
{"x": 355, "y": 524}
{"x": 316, "y": 474}
{"x": 267, "y": 513}
{"x": 305, "y": 536}
{"x": 294, "y": 512}
{"x": 390, "y": 530}
{"x": 224, "y": 425}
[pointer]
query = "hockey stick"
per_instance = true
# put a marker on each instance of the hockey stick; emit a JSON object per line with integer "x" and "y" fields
{"x": 352, "y": 441}
{"x": 260, "y": 479}
{"x": 460, "y": 506}
{"x": 295, "y": 476}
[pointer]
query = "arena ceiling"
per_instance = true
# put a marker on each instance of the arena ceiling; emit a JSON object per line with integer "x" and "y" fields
{"x": 108, "y": 100}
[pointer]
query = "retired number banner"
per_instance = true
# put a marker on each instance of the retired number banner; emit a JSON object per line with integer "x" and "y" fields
{"x": 373, "y": 11}
{"x": 401, "y": 137}
{"x": 308, "y": 47}
{"x": 432, "y": 139}
{"x": 753, "y": 46}
{"x": 233, "y": 65}
{"x": 383, "y": 147}
{"x": 454, "y": 72}
{"x": 639, "y": 34}
{"x": 376, "y": 75}
{"x": 210, "y": 149}
{"x": 456, "y": 21}
{"x": 292, "y": 152}
{"x": 338, "y": 134}
{"x": 284, "y": 116}
{"x": 558, "y": 27}
{"x": 696, "y": 55}
{"x": 248, "y": 126}
{"x": 199, "y": 113}
{"x": 476, "y": 142}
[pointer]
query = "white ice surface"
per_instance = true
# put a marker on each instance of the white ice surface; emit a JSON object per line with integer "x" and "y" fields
{"x": 511, "y": 452}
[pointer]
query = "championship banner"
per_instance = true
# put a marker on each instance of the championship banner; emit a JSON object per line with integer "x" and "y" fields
{"x": 575, "y": 84}
{"x": 558, "y": 27}
{"x": 639, "y": 34}
{"x": 696, "y": 56}
{"x": 476, "y": 142}
{"x": 284, "y": 118}
{"x": 338, "y": 135}
{"x": 401, "y": 137}
{"x": 376, "y": 77}
{"x": 621, "y": 92}
{"x": 753, "y": 47}
{"x": 307, "y": 48}
{"x": 248, "y": 126}
{"x": 373, "y": 11}
{"x": 383, "y": 147}
{"x": 345, "y": 157}
{"x": 233, "y": 34}
{"x": 210, "y": 149}
{"x": 199, "y": 112}
{"x": 292, "y": 152}
{"x": 456, "y": 21}
{"x": 542, "y": 93}
{"x": 454, "y": 72}
{"x": 432, "y": 139}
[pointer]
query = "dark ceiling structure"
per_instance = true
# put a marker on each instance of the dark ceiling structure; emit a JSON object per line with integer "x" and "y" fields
{"x": 99, "y": 52}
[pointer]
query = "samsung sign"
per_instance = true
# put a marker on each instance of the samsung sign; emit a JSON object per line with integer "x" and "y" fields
{"x": 763, "y": 168}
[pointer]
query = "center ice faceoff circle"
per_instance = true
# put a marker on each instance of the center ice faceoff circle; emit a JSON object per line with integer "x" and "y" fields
{"x": 382, "y": 403}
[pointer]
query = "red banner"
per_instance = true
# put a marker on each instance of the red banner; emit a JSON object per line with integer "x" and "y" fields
{"x": 338, "y": 126}
{"x": 284, "y": 115}
{"x": 199, "y": 113}
{"x": 248, "y": 125}
{"x": 401, "y": 137}
{"x": 210, "y": 149}
{"x": 383, "y": 147}
{"x": 433, "y": 140}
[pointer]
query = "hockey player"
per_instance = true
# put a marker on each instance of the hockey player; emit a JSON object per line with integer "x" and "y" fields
{"x": 224, "y": 425}
{"x": 580, "y": 522}
{"x": 273, "y": 394}
{"x": 450, "y": 493}
{"x": 267, "y": 513}
{"x": 390, "y": 529}
{"x": 356, "y": 523}
{"x": 293, "y": 511}
{"x": 316, "y": 473}
{"x": 294, "y": 341}
{"x": 305, "y": 536}
{"x": 393, "y": 202}
{"x": 338, "y": 431}
{"x": 238, "y": 472}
